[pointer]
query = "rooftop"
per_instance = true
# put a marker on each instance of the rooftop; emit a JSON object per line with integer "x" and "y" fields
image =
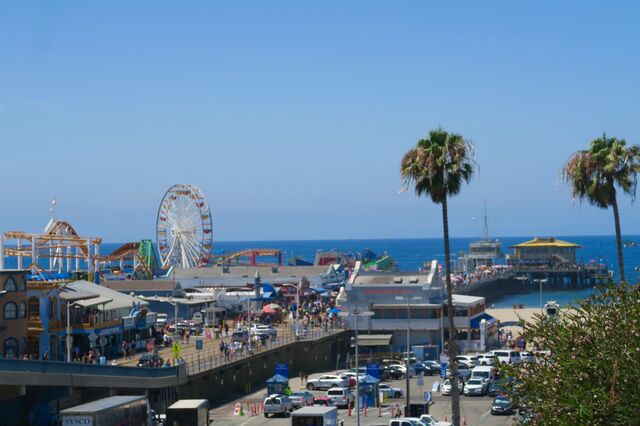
{"x": 546, "y": 242}
{"x": 90, "y": 294}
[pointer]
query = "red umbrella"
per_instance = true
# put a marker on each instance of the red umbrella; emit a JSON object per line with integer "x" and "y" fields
{"x": 269, "y": 310}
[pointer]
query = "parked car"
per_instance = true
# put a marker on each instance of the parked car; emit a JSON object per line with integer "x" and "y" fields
{"x": 497, "y": 387}
{"x": 321, "y": 401}
{"x": 351, "y": 377}
{"x": 463, "y": 372}
{"x": 426, "y": 368}
{"x": 240, "y": 336}
{"x": 484, "y": 372}
{"x": 445, "y": 389}
{"x": 340, "y": 397}
{"x": 388, "y": 372}
{"x": 263, "y": 330}
{"x": 405, "y": 421}
{"x": 501, "y": 405}
{"x": 277, "y": 404}
{"x": 390, "y": 391}
{"x": 467, "y": 360}
{"x": 327, "y": 381}
{"x": 486, "y": 359}
{"x": 507, "y": 356}
{"x": 475, "y": 387}
{"x": 150, "y": 358}
{"x": 301, "y": 399}
{"x": 528, "y": 356}
{"x": 432, "y": 421}
{"x": 400, "y": 366}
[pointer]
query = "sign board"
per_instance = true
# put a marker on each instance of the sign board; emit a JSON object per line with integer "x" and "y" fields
{"x": 427, "y": 396}
{"x": 435, "y": 387}
{"x": 128, "y": 322}
{"x": 151, "y": 319}
{"x": 282, "y": 369}
{"x": 102, "y": 341}
{"x": 199, "y": 344}
{"x": 443, "y": 370}
{"x": 93, "y": 337}
{"x": 373, "y": 370}
{"x": 77, "y": 421}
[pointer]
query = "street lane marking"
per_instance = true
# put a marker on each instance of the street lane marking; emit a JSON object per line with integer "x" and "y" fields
{"x": 247, "y": 421}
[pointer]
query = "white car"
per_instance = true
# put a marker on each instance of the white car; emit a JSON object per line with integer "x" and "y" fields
{"x": 486, "y": 359}
{"x": 263, "y": 330}
{"x": 301, "y": 399}
{"x": 432, "y": 421}
{"x": 507, "y": 356}
{"x": 390, "y": 391}
{"x": 463, "y": 371}
{"x": 445, "y": 389}
{"x": 277, "y": 404}
{"x": 328, "y": 381}
{"x": 468, "y": 360}
{"x": 475, "y": 387}
{"x": 340, "y": 397}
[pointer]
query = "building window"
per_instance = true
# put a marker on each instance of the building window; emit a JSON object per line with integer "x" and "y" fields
{"x": 23, "y": 310}
{"x": 10, "y": 285}
{"x": 34, "y": 309}
{"x": 23, "y": 285}
{"x": 10, "y": 348}
{"x": 10, "y": 310}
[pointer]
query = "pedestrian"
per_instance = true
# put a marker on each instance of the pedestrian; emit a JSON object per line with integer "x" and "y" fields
{"x": 302, "y": 377}
{"x": 187, "y": 334}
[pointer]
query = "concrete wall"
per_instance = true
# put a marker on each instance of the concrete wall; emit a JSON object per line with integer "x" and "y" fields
{"x": 243, "y": 377}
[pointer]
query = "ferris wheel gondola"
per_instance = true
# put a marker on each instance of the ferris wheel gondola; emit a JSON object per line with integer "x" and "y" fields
{"x": 184, "y": 231}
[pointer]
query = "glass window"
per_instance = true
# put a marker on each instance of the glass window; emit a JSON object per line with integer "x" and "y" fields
{"x": 23, "y": 310}
{"x": 10, "y": 348}
{"x": 10, "y": 285}
{"x": 10, "y": 310}
{"x": 23, "y": 285}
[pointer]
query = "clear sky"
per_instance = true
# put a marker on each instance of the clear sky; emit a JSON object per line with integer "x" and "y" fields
{"x": 293, "y": 116}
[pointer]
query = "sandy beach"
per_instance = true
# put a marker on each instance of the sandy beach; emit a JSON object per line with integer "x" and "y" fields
{"x": 509, "y": 315}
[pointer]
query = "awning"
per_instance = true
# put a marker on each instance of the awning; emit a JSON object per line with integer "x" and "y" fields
{"x": 374, "y": 339}
{"x": 87, "y": 303}
{"x": 475, "y": 322}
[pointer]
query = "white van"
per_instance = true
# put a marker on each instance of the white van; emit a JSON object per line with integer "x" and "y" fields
{"x": 483, "y": 372}
{"x": 507, "y": 356}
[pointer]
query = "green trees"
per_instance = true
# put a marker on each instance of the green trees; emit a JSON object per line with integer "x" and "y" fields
{"x": 595, "y": 173}
{"x": 438, "y": 166}
{"x": 592, "y": 376}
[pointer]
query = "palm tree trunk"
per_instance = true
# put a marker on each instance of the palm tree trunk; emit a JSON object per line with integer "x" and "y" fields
{"x": 616, "y": 219}
{"x": 451, "y": 344}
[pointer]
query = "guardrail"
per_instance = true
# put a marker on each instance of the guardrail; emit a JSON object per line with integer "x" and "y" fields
{"x": 12, "y": 369}
{"x": 213, "y": 358}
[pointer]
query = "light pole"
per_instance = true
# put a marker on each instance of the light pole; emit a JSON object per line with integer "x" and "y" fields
{"x": 68, "y": 339}
{"x": 540, "y": 281}
{"x": 356, "y": 313}
{"x": 406, "y": 375}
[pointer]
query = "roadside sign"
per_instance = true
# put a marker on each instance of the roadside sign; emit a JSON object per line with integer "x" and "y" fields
{"x": 102, "y": 341}
{"x": 282, "y": 369}
{"x": 427, "y": 397}
{"x": 443, "y": 370}
{"x": 199, "y": 344}
{"x": 435, "y": 386}
{"x": 93, "y": 337}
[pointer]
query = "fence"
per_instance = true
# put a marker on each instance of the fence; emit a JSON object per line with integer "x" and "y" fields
{"x": 212, "y": 358}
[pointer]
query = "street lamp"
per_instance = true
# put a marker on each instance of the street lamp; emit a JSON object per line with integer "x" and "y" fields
{"x": 540, "y": 281}
{"x": 408, "y": 299}
{"x": 68, "y": 339}
{"x": 356, "y": 313}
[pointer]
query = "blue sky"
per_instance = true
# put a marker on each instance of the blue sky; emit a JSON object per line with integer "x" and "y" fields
{"x": 292, "y": 117}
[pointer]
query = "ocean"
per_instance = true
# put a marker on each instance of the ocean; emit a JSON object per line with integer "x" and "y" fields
{"x": 411, "y": 254}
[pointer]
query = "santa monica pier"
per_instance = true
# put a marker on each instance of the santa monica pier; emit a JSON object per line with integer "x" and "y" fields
{"x": 170, "y": 321}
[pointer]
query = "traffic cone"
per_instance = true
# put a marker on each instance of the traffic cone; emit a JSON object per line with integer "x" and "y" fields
{"x": 365, "y": 408}
{"x": 348, "y": 407}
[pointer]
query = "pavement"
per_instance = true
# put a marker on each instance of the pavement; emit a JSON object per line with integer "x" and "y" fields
{"x": 475, "y": 410}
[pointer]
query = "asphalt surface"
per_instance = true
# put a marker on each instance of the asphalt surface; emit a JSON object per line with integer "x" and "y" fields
{"x": 475, "y": 409}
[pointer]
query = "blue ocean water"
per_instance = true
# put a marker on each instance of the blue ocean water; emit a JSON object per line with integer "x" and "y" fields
{"x": 411, "y": 254}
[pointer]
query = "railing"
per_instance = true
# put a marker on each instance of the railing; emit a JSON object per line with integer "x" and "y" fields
{"x": 212, "y": 358}
{"x": 57, "y": 367}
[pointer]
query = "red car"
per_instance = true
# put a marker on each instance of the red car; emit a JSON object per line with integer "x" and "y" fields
{"x": 321, "y": 400}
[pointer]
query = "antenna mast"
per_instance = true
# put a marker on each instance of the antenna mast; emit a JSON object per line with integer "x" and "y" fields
{"x": 486, "y": 224}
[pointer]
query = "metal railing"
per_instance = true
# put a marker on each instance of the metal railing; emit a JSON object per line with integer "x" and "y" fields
{"x": 211, "y": 358}
{"x": 57, "y": 367}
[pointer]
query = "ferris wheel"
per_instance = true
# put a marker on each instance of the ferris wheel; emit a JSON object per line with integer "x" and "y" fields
{"x": 184, "y": 230}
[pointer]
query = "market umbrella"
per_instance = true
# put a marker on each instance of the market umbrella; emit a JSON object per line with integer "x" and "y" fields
{"x": 334, "y": 310}
{"x": 269, "y": 310}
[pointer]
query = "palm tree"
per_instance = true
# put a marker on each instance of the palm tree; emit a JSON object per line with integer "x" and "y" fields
{"x": 437, "y": 167}
{"x": 595, "y": 173}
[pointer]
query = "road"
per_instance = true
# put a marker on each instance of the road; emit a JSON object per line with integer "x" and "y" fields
{"x": 475, "y": 410}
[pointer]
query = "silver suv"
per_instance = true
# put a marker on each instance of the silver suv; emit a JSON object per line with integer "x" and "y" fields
{"x": 277, "y": 404}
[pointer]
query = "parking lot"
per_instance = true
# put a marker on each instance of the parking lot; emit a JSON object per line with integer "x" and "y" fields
{"x": 475, "y": 410}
